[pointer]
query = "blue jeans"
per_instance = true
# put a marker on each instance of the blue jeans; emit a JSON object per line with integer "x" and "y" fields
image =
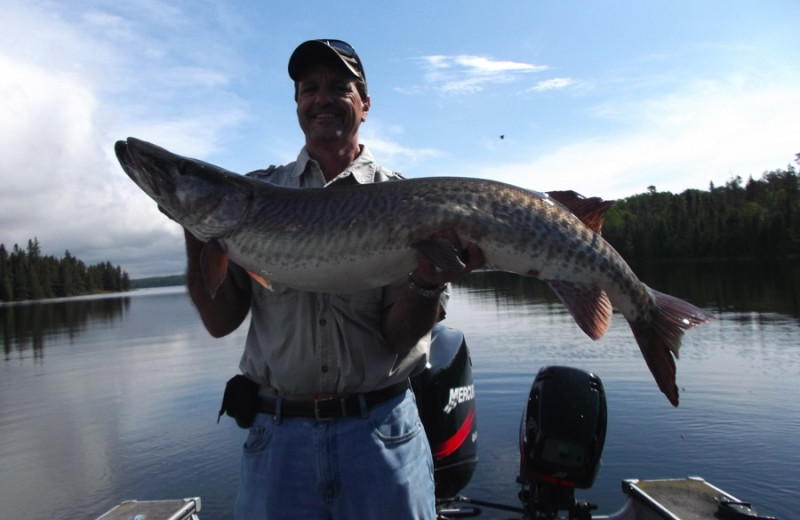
{"x": 378, "y": 465}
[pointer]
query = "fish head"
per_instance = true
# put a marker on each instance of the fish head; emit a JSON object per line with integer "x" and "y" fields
{"x": 207, "y": 200}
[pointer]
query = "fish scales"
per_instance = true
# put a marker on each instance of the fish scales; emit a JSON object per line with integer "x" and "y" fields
{"x": 347, "y": 238}
{"x": 377, "y": 224}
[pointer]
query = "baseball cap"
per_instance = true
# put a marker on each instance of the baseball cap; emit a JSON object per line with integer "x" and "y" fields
{"x": 317, "y": 51}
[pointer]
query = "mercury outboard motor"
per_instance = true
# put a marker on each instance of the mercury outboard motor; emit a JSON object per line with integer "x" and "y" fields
{"x": 446, "y": 400}
{"x": 562, "y": 434}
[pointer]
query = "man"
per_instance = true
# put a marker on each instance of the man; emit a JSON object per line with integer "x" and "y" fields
{"x": 337, "y": 434}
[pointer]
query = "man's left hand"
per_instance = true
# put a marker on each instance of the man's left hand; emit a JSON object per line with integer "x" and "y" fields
{"x": 442, "y": 258}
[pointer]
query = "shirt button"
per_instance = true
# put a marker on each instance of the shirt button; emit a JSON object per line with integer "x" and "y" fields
{"x": 324, "y": 368}
{"x": 322, "y": 322}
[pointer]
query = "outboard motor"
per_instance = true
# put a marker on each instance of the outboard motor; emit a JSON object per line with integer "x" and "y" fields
{"x": 562, "y": 434}
{"x": 446, "y": 400}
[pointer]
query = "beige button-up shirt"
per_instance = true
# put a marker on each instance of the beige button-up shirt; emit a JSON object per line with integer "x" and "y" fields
{"x": 303, "y": 344}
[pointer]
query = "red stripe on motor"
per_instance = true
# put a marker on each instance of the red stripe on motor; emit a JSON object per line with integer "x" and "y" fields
{"x": 454, "y": 442}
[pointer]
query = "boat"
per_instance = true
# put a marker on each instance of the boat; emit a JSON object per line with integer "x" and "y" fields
{"x": 561, "y": 437}
{"x": 689, "y": 498}
{"x": 179, "y": 509}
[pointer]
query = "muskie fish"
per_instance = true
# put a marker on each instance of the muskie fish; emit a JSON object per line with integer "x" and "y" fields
{"x": 353, "y": 237}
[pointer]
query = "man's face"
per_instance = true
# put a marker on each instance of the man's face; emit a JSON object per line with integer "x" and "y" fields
{"x": 329, "y": 106}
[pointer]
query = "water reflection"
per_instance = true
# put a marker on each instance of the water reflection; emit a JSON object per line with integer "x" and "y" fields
{"x": 719, "y": 285}
{"x": 751, "y": 288}
{"x": 25, "y": 328}
{"x": 125, "y": 406}
{"x": 732, "y": 286}
{"x": 738, "y": 377}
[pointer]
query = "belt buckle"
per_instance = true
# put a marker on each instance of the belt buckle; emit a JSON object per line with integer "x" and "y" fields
{"x": 327, "y": 415}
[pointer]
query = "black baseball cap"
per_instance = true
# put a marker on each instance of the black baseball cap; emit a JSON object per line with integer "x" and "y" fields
{"x": 331, "y": 51}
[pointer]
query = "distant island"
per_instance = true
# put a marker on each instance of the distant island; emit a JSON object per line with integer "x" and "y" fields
{"x": 25, "y": 274}
{"x": 158, "y": 281}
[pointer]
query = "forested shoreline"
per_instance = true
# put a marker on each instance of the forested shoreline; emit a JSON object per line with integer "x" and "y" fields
{"x": 756, "y": 220}
{"x": 25, "y": 274}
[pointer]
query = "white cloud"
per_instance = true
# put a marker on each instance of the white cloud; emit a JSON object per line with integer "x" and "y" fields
{"x": 552, "y": 84}
{"x": 467, "y": 74}
{"x": 387, "y": 149}
{"x": 60, "y": 183}
{"x": 483, "y": 65}
{"x": 68, "y": 90}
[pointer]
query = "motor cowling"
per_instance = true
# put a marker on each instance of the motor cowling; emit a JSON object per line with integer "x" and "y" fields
{"x": 445, "y": 395}
{"x": 563, "y": 428}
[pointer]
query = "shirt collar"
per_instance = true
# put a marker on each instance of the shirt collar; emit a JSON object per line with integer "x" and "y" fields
{"x": 361, "y": 170}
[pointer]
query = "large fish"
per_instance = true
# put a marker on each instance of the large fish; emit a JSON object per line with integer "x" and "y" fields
{"x": 354, "y": 237}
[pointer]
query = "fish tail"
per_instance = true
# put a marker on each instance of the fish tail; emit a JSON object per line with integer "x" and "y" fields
{"x": 659, "y": 337}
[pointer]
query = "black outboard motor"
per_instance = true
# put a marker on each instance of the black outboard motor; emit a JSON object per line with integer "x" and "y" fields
{"x": 446, "y": 400}
{"x": 562, "y": 434}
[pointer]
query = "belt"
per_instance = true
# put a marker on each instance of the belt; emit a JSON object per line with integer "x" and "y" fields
{"x": 325, "y": 407}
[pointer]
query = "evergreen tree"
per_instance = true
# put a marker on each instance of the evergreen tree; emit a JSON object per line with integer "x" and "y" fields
{"x": 759, "y": 220}
{"x": 6, "y": 286}
{"x": 27, "y": 274}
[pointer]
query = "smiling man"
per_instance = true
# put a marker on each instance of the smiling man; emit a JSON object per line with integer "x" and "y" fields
{"x": 334, "y": 431}
{"x": 332, "y": 100}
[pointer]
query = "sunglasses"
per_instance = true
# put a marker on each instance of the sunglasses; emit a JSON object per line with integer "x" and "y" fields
{"x": 347, "y": 52}
{"x": 343, "y": 47}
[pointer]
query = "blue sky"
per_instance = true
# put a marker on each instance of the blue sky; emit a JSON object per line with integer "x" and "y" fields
{"x": 606, "y": 98}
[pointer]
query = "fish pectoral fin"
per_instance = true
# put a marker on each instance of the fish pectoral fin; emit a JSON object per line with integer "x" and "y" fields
{"x": 263, "y": 282}
{"x": 591, "y": 211}
{"x": 214, "y": 265}
{"x": 589, "y": 306}
{"x": 441, "y": 253}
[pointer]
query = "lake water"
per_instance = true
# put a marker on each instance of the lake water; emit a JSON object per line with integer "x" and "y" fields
{"x": 108, "y": 399}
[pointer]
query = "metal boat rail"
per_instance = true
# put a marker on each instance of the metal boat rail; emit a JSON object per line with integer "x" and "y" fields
{"x": 185, "y": 509}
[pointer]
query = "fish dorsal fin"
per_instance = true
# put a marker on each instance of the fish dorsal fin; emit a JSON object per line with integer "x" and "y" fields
{"x": 214, "y": 265}
{"x": 588, "y": 305}
{"x": 591, "y": 211}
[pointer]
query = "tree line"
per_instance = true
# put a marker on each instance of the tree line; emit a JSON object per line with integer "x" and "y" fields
{"x": 756, "y": 220}
{"x": 25, "y": 274}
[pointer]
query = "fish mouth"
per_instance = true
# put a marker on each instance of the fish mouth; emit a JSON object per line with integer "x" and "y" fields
{"x": 130, "y": 156}
{"x": 121, "y": 150}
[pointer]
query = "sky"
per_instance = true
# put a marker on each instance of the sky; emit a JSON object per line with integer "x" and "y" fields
{"x": 604, "y": 98}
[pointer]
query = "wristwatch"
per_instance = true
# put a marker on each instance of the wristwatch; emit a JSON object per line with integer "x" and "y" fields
{"x": 427, "y": 292}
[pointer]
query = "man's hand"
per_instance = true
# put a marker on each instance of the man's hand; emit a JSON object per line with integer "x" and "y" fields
{"x": 442, "y": 259}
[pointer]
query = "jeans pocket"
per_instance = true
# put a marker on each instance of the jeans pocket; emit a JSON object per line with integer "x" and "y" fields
{"x": 397, "y": 424}
{"x": 259, "y": 435}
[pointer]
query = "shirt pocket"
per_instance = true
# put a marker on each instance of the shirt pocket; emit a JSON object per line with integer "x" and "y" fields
{"x": 360, "y": 306}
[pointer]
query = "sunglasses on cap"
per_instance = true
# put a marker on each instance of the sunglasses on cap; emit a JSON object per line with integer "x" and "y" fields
{"x": 346, "y": 52}
{"x": 341, "y": 46}
{"x": 313, "y": 51}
